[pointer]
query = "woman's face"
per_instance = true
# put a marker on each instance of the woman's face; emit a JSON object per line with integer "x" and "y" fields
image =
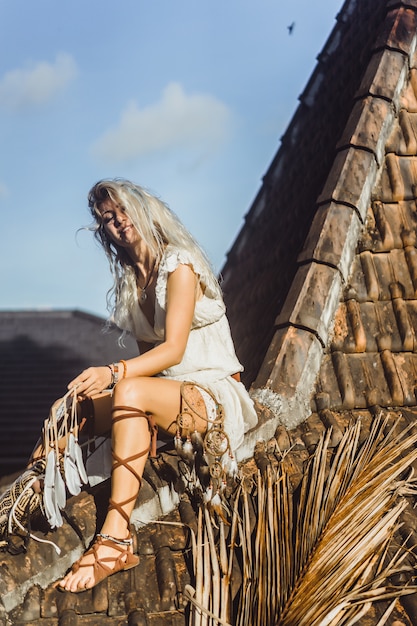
{"x": 117, "y": 224}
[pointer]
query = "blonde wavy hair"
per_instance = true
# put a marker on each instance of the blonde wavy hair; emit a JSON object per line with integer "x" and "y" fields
{"x": 157, "y": 225}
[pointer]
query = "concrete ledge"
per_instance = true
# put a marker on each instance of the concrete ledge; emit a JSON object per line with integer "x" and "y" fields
{"x": 283, "y": 387}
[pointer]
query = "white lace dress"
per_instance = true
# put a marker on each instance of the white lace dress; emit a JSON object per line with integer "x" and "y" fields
{"x": 209, "y": 359}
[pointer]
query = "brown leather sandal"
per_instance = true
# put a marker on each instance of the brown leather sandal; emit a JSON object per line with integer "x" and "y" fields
{"x": 101, "y": 566}
{"x": 125, "y": 560}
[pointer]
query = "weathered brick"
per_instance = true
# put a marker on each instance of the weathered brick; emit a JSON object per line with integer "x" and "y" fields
{"x": 332, "y": 238}
{"x": 312, "y": 300}
{"x": 351, "y": 179}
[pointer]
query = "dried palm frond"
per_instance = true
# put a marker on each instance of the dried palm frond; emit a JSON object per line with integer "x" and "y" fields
{"x": 318, "y": 557}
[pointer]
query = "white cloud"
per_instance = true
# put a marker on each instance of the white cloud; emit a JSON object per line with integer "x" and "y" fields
{"x": 178, "y": 120}
{"x": 36, "y": 84}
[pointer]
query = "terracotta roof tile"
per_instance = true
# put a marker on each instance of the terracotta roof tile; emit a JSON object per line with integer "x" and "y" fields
{"x": 311, "y": 301}
{"x": 385, "y": 76}
{"x": 334, "y": 228}
{"x": 398, "y": 30}
{"x": 351, "y": 179}
{"x": 369, "y": 126}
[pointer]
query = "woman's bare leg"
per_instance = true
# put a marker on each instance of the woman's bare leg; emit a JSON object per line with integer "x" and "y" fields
{"x": 158, "y": 397}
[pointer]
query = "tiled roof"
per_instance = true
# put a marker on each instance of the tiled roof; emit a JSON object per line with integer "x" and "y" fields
{"x": 41, "y": 351}
{"x": 262, "y": 263}
{"x": 362, "y": 178}
{"x": 321, "y": 288}
{"x": 372, "y": 354}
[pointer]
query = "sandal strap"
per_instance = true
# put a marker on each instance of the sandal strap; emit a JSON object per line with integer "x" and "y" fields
{"x": 126, "y": 462}
{"x": 119, "y": 542}
{"x": 119, "y": 462}
{"x": 118, "y": 507}
{"x": 101, "y": 566}
{"x": 134, "y": 412}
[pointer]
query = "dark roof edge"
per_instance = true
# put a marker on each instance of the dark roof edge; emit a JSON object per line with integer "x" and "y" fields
{"x": 51, "y": 313}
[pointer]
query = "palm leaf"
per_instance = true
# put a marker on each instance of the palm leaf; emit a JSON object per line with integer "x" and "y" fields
{"x": 318, "y": 557}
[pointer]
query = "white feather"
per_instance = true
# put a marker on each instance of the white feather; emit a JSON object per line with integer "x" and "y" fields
{"x": 72, "y": 478}
{"x": 208, "y": 494}
{"x": 59, "y": 484}
{"x": 79, "y": 462}
{"x": 48, "y": 491}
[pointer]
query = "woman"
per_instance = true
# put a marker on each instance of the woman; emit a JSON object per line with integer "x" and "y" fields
{"x": 167, "y": 296}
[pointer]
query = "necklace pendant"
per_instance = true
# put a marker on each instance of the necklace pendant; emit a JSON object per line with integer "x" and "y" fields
{"x": 143, "y": 296}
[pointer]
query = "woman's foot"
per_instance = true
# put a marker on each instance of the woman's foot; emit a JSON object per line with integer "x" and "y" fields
{"x": 106, "y": 556}
{"x": 109, "y": 554}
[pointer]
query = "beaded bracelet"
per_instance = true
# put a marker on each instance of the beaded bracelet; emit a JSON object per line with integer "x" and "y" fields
{"x": 112, "y": 383}
{"x": 115, "y": 373}
{"x": 124, "y": 368}
{"x": 114, "y": 368}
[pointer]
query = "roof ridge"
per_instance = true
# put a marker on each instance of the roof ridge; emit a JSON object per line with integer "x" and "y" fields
{"x": 286, "y": 379}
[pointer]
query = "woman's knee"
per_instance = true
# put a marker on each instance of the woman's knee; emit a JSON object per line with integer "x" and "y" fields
{"x": 130, "y": 391}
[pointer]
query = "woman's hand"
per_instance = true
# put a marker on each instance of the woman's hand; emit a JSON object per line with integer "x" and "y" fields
{"x": 91, "y": 381}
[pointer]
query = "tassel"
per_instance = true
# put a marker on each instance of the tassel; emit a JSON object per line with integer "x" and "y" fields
{"x": 208, "y": 494}
{"x": 59, "y": 485}
{"x": 79, "y": 461}
{"x": 216, "y": 501}
{"x": 48, "y": 485}
{"x": 187, "y": 452}
{"x": 178, "y": 444}
{"x": 230, "y": 466}
{"x": 197, "y": 441}
{"x": 187, "y": 475}
{"x": 51, "y": 510}
{"x": 72, "y": 478}
{"x": 73, "y": 445}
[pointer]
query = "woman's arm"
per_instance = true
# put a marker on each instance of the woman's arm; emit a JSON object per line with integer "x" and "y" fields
{"x": 181, "y": 299}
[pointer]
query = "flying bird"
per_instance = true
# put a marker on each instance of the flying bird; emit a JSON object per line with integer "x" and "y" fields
{"x": 291, "y": 28}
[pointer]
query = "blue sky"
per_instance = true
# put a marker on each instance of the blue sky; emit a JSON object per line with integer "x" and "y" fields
{"x": 188, "y": 98}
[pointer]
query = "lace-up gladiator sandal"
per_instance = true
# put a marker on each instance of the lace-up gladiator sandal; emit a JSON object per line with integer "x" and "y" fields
{"x": 125, "y": 560}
